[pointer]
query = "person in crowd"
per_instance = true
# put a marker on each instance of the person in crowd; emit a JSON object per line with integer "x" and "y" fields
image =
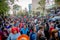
{"x": 41, "y": 35}
{"x": 33, "y": 34}
{"x": 14, "y": 34}
{"x": 54, "y": 35}
{"x": 58, "y": 28}
{"x": 46, "y": 30}
{"x": 21, "y": 25}
{"x": 5, "y": 33}
{"x": 37, "y": 28}
{"x": 51, "y": 27}
{"x": 16, "y": 23}
{"x": 12, "y": 23}
{"x": 25, "y": 30}
{"x": 8, "y": 26}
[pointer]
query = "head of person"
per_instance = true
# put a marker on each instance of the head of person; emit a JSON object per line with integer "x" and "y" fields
{"x": 52, "y": 24}
{"x": 57, "y": 22}
{"x": 14, "y": 30}
{"x": 34, "y": 29}
{"x": 7, "y": 23}
{"x": 25, "y": 26}
{"x": 3, "y": 28}
{"x": 41, "y": 28}
{"x": 54, "y": 33}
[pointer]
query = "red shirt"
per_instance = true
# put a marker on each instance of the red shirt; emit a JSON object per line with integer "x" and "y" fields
{"x": 51, "y": 28}
{"x": 20, "y": 25}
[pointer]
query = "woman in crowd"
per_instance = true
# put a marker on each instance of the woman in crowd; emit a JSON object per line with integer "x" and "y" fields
{"x": 14, "y": 34}
{"x": 25, "y": 30}
{"x": 54, "y": 35}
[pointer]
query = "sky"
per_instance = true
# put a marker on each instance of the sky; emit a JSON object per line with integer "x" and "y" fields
{"x": 24, "y": 3}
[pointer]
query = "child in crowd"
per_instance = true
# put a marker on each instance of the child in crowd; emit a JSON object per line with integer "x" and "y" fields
{"x": 14, "y": 34}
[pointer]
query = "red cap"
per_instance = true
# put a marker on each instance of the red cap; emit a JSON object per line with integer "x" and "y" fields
{"x": 14, "y": 29}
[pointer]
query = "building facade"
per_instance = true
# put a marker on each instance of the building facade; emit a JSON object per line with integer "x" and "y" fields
{"x": 35, "y": 5}
{"x": 30, "y": 8}
{"x": 36, "y": 8}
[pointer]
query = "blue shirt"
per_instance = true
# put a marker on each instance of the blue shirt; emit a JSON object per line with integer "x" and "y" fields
{"x": 33, "y": 36}
{"x": 24, "y": 31}
{"x": 13, "y": 36}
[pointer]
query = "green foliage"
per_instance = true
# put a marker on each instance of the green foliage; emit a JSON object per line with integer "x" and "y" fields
{"x": 16, "y": 7}
{"x": 57, "y": 0}
{"x": 41, "y": 3}
{"x": 3, "y": 6}
{"x": 42, "y": 6}
{"x": 42, "y": 14}
{"x": 12, "y": 1}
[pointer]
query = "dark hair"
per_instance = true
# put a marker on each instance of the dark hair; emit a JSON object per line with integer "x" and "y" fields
{"x": 33, "y": 28}
{"x": 57, "y": 22}
{"x": 25, "y": 25}
{"x": 7, "y": 23}
{"x": 2, "y": 28}
{"x": 40, "y": 27}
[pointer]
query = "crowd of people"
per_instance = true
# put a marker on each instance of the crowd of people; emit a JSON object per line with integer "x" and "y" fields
{"x": 37, "y": 28}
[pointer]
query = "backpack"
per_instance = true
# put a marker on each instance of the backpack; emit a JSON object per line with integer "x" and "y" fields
{"x": 32, "y": 36}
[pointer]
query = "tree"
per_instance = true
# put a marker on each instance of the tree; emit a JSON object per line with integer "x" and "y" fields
{"x": 16, "y": 7}
{"x": 42, "y": 5}
{"x": 57, "y": 2}
{"x": 12, "y": 1}
{"x": 3, "y": 7}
